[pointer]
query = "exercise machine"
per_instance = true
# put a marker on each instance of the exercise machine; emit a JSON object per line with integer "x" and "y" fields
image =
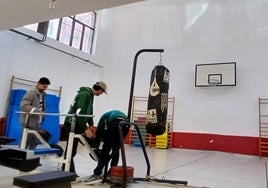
{"x": 51, "y": 148}
{"x": 28, "y": 160}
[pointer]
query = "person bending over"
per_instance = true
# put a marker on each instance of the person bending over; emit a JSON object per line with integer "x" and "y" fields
{"x": 107, "y": 140}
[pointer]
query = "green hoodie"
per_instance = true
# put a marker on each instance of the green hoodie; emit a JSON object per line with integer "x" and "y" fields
{"x": 83, "y": 100}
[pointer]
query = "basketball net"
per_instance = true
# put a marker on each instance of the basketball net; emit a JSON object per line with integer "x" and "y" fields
{"x": 213, "y": 82}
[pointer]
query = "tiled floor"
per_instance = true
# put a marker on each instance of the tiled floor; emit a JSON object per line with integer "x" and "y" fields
{"x": 199, "y": 168}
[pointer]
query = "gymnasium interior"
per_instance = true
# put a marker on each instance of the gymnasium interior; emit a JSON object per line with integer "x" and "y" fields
{"x": 215, "y": 126}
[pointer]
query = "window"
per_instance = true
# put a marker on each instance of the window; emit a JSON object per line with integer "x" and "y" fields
{"x": 65, "y": 30}
{"x": 76, "y": 31}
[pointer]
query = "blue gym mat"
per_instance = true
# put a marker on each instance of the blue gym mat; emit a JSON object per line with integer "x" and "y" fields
{"x": 51, "y": 123}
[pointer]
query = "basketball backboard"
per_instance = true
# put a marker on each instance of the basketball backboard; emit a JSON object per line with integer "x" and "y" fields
{"x": 215, "y": 74}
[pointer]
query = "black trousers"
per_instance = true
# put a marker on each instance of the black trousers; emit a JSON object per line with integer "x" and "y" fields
{"x": 111, "y": 145}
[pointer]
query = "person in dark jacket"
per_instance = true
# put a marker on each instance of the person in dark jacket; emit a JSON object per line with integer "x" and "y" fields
{"x": 108, "y": 141}
{"x": 34, "y": 101}
{"x": 84, "y": 101}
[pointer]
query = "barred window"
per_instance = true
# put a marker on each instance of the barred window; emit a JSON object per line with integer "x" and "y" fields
{"x": 76, "y": 31}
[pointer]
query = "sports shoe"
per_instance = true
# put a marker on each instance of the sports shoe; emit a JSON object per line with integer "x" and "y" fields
{"x": 93, "y": 179}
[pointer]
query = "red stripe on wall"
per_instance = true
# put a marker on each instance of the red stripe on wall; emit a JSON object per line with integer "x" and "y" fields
{"x": 226, "y": 143}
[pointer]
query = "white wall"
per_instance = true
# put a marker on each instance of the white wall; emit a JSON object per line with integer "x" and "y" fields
{"x": 27, "y": 59}
{"x": 191, "y": 32}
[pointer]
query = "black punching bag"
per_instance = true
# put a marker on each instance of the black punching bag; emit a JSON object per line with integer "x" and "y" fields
{"x": 158, "y": 101}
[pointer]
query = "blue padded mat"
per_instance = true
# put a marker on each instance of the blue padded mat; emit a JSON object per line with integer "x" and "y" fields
{"x": 51, "y": 123}
{"x": 46, "y": 151}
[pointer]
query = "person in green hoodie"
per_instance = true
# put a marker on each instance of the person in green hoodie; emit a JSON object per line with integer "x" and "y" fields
{"x": 107, "y": 140}
{"x": 83, "y": 101}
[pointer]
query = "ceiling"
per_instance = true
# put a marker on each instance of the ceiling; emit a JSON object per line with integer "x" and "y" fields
{"x": 15, "y": 13}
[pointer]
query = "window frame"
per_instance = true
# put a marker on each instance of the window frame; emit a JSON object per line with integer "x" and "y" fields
{"x": 43, "y": 28}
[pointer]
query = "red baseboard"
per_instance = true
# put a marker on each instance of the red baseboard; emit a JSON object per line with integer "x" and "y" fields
{"x": 226, "y": 143}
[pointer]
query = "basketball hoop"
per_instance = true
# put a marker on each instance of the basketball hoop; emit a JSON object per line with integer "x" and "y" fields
{"x": 213, "y": 82}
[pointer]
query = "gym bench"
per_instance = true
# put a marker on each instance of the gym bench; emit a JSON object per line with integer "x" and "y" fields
{"x": 53, "y": 179}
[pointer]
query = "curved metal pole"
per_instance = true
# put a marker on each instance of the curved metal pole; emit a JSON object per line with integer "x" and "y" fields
{"x": 129, "y": 114}
{"x": 134, "y": 75}
{"x": 147, "y": 178}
